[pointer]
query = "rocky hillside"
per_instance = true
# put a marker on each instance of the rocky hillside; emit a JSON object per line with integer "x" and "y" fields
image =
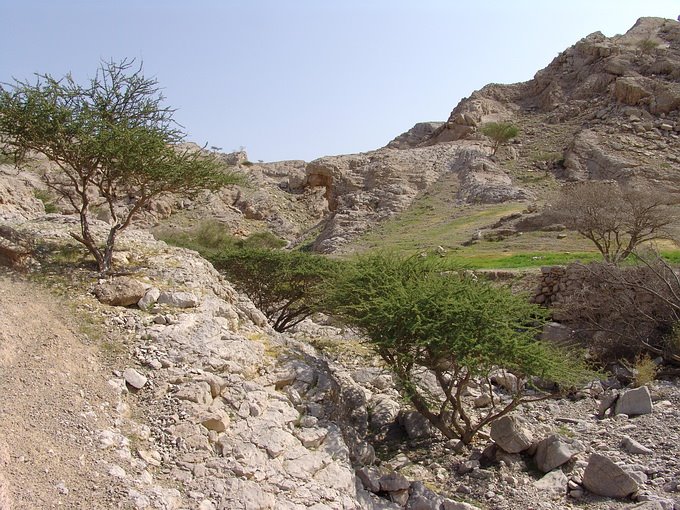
{"x": 605, "y": 108}
{"x": 166, "y": 389}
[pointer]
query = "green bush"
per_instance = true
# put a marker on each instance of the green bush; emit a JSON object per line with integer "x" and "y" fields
{"x": 499, "y": 132}
{"x": 287, "y": 286}
{"x": 418, "y": 313}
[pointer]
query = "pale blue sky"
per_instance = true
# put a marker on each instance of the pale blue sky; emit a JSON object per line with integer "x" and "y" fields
{"x": 306, "y": 78}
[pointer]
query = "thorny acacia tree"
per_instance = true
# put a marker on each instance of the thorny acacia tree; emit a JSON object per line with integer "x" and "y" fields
{"x": 420, "y": 318}
{"x": 111, "y": 139}
{"x": 615, "y": 220}
{"x": 288, "y": 286}
{"x": 500, "y": 133}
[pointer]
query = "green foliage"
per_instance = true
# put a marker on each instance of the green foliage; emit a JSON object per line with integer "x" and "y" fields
{"x": 46, "y": 199}
{"x": 111, "y": 139}
{"x": 499, "y": 132}
{"x": 262, "y": 240}
{"x": 286, "y": 286}
{"x": 420, "y": 313}
{"x": 211, "y": 238}
{"x": 647, "y": 45}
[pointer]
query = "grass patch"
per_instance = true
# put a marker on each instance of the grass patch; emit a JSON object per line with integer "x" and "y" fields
{"x": 520, "y": 260}
{"x": 47, "y": 200}
{"x": 211, "y": 238}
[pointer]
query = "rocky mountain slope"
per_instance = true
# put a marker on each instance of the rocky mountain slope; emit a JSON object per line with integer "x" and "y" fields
{"x": 605, "y": 108}
{"x": 166, "y": 389}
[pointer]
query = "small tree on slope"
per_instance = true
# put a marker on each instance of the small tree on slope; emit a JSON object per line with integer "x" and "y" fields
{"x": 418, "y": 316}
{"x": 109, "y": 140}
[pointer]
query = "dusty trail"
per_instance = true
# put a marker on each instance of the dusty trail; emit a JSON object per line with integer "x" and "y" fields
{"x": 54, "y": 399}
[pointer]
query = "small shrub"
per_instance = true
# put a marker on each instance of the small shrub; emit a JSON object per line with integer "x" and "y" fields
{"x": 648, "y": 45}
{"x": 500, "y": 133}
{"x": 645, "y": 370}
{"x": 262, "y": 240}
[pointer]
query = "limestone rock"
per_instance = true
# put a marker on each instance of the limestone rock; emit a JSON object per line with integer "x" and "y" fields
{"x": 370, "y": 478}
{"x": 394, "y": 481}
{"x": 632, "y": 446}
{"x": 634, "y": 402}
{"x": 552, "y": 452}
{"x": 134, "y": 378}
{"x": 604, "y": 478}
{"x": 384, "y": 412}
{"x": 416, "y": 425}
{"x": 178, "y": 299}
{"x": 510, "y": 434}
{"x": 120, "y": 291}
{"x": 555, "y": 481}
{"x": 149, "y": 299}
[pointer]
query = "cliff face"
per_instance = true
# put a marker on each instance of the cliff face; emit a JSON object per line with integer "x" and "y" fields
{"x": 605, "y": 108}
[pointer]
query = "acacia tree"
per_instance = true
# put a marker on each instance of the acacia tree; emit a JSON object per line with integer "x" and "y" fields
{"x": 500, "y": 133}
{"x": 113, "y": 143}
{"x": 419, "y": 316}
{"x": 616, "y": 221}
{"x": 287, "y": 286}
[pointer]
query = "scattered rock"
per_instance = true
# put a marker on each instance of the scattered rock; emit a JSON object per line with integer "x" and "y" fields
{"x": 149, "y": 299}
{"x": 134, "y": 378}
{"x": 178, "y": 299}
{"x": 555, "y": 481}
{"x": 605, "y": 478}
{"x": 634, "y": 402}
{"x": 552, "y": 452}
{"x": 120, "y": 291}
{"x": 510, "y": 434}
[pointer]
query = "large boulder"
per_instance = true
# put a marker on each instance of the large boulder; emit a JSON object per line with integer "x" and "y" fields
{"x": 634, "y": 402}
{"x": 605, "y": 478}
{"x": 511, "y": 435}
{"x": 120, "y": 291}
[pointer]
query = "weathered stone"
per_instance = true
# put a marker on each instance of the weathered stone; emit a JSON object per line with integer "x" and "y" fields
{"x": 634, "y": 402}
{"x": 198, "y": 392}
{"x": 120, "y": 291}
{"x": 393, "y": 481}
{"x": 552, "y": 452}
{"x": 217, "y": 421}
{"x": 604, "y": 478}
{"x": 134, "y": 378}
{"x": 149, "y": 298}
{"x": 634, "y": 447}
{"x": 555, "y": 481}
{"x": 510, "y": 435}
{"x": 384, "y": 412}
{"x": 449, "y": 504}
{"x": 370, "y": 478}
{"x": 416, "y": 425}
{"x": 178, "y": 299}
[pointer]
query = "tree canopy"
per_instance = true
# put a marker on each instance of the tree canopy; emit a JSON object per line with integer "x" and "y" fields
{"x": 500, "y": 133}
{"x": 287, "y": 286}
{"x": 418, "y": 315}
{"x": 617, "y": 221}
{"x": 113, "y": 143}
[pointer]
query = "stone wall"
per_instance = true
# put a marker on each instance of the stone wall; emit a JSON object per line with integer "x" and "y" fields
{"x": 556, "y": 281}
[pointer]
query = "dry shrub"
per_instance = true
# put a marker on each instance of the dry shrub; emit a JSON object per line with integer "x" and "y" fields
{"x": 623, "y": 312}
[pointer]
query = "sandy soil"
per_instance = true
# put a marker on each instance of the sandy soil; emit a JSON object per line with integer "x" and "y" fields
{"x": 54, "y": 401}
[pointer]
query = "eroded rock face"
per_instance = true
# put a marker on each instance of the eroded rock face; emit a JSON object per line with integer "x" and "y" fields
{"x": 363, "y": 189}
